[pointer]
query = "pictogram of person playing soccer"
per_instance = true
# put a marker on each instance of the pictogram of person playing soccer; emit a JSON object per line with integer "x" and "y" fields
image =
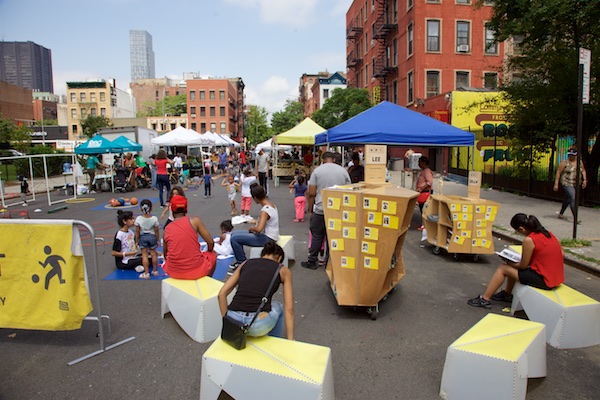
{"x": 54, "y": 262}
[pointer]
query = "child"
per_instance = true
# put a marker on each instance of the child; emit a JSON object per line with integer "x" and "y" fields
{"x": 175, "y": 191}
{"x": 232, "y": 186}
{"x": 146, "y": 235}
{"x": 299, "y": 188}
{"x": 208, "y": 181}
{"x": 24, "y": 189}
{"x": 246, "y": 180}
{"x": 124, "y": 250}
{"x": 223, "y": 244}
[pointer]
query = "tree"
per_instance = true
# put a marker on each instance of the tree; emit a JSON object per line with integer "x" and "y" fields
{"x": 289, "y": 117}
{"x": 543, "y": 101}
{"x": 341, "y": 106}
{"x": 18, "y": 136}
{"x": 173, "y": 105}
{"x": 91, "y": 125}
{"x": 257, "y": 129}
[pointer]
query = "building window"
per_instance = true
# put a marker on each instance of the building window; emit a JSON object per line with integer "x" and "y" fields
{"x": 373, "y": 66}
{"x": 223, "y": 127}
{"x": 93, "y": 111}
{"x": 462, "y": 36}
{"x": 410, "y": 84}
{"x": 366, "y": 73}
{"x": 410, "y": 39}
{"x": 193, "y": 111}
{"x": 73, "y": 113}
{"x": 73, "y": 98}
{"x": 325, "y": 93}
{"x": 490, "y": 80}
{"x": 366, "y": 42}
{"x": 488, "y": 2}
{"x": 462, "y": 79}
{"x": 463, "y": 1}
{"x": 103, "y": 111}
{"x": 213, "y": 126}
{"x": 82, "y": 96}
{"x": 433, "y": 83}
{"x": 202, "y": 111}
{"x": 434, "y": 1}
{"x": 74, "y": 128}
{"x": 491, "y": 46}
{"x": 83, "y": 113}
{"x": 395, "y": 92}
{"x": 213, "y": 111}
{"x": 222, "y": 111}
{"x": 433, "y": 35}
{"x": 211, "y": 95}
{"x": 102, "y": 96}
{"x": 193, "y": 126}
{"x": 192, "y": 95}
{"x": 409, "y": 4}
{"x": 221, "y": 95}
{"x": 153, "y": 125}
{"x": 202, "y": 127}
{"x": 202, "y": 95}
{"x": 395, "y": 52}
{"x": 92, "y": 96}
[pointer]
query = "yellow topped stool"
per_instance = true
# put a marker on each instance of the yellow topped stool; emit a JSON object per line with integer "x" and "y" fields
{"x": 286, "y": 242}
{"x": 268, "y": 368}
{"x": 493, "y": 360}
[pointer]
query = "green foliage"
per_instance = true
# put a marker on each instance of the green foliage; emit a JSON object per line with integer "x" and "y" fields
{"x": 256, "y": 129}
{"x": 341, "y": 106}
{"x": 173, "y": 105}
{"x": 575, "y": 243}
{"x": 17, "y": 136}
{"x": 91, "y": 125}
{"x": 47, "y": 122}
{"x": 289, "y": 117}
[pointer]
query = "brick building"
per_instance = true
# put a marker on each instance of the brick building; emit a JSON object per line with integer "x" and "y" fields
{"x": 314, "y": 89}
{"x": 149, "y": 91}
{"x": 406, "y": 51}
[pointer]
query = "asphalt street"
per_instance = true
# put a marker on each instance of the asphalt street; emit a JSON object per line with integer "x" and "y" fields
{"x": 399, "y": 356}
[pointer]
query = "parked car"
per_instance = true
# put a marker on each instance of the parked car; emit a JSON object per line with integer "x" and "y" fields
{"x": 10, "y": 153}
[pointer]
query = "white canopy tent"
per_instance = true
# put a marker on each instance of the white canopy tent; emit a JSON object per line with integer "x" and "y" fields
{"x": 267, "y": 145}
{"x": 181, "y": 137}
{"x": 216, "y": 140}
{"x": 230, "y": 140}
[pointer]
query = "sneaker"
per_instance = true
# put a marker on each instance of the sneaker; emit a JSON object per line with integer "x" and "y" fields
{"x": 560, "y": 216}
{"x": 296, "y": 220}
{"x": 420, "y": 228}
{"x": 24, "y": 205}
{"x": 479, "y": 301}
{"x": 93, "y": 191}
{"x": 233, "y": 267}
{"x": 502, "y": 296}
{"x": 309, "y": 264}
{"x": 139, "y": 269}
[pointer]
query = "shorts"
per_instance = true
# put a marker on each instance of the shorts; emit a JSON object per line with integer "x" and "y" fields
{"x": 530, "y": 277}
{"x": 246, "y": 203}
{"x": 148, "y": 241}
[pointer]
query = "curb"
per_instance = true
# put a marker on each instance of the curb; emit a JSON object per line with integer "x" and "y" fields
{"x": 569, "y": 258}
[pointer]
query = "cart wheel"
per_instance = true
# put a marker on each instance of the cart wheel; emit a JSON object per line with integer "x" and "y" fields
{"x": 436, "y": 250}
{"x": 456, "y": 256}
{"x": 385, "y": 297}
{"x": 476, "y": 257}
{"x": 374, "y": 312}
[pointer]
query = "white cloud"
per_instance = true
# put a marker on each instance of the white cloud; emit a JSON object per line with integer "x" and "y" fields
{"x": 271, "y": 94}
{"x": 286, "y": 12}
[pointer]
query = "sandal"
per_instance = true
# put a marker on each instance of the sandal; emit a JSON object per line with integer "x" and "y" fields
{"x": 144, "y": 275}
{"x": 155, "y": 272}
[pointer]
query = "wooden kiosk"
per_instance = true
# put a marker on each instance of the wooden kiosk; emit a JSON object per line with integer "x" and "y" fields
{"x": 461, "y": 225}
{"x": 366, "y": 227}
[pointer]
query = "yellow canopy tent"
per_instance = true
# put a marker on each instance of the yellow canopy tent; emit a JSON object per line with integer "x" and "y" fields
{"x": 302, "y": 134}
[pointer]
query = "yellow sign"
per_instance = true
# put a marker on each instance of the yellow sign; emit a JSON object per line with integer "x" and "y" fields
{"x": 349, "y": 232}
{"x": 371, "y": 233}
{"x": 370, "y": 203}
{"x": 374, "y": 218}
{"x": 349, "y": 216}
{"x": 349, "y": 200}
{"x": 368, "y": 247}
{"x": 334, "y": 224}
{"x": 371, "y": 263}
{"x": 337, "y": 244}
{"x": 42, "y": 283}
{"x": 333, "y": 203}
{"x": 388, "y": 207}
{"x": 348, "y": 262}
{"x": 390, "y": 221}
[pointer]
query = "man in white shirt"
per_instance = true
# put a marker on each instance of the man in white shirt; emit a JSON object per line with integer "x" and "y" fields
{"x": 262, "y": 166}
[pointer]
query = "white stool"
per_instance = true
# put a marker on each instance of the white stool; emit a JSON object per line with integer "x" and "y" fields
{"x": 194, "y": 305}
{"x": 493, "y": 360}
{"x": 572, "y": 319}
{"x": 268, "y": 368}
{"x": 287, "y": 244}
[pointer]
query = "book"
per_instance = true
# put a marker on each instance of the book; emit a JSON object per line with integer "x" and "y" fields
{"x": 509, "y": 255}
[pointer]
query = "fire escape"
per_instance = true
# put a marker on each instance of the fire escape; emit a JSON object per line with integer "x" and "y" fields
{"x": 385, "y": 24}
{"x": 353, "y": 60}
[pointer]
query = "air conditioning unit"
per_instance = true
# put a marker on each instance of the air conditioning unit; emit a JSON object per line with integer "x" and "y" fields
{"x": 463, "y": 48}
{"x": 193, "y": 115}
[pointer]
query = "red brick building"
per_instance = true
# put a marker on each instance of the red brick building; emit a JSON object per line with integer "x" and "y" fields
{"x": 406, "y": 51}
{"x": 16, "y": 104}
{"x": 216, "y": 105}
{"x": 149, "y": 91}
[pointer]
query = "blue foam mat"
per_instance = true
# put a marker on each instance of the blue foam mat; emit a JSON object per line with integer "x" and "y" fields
{"x": 131, "y": 275}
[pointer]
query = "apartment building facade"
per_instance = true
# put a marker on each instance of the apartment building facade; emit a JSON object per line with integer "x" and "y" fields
{"x": 95, "y": 98}
{"x": 148, "y": 92}
{"x": 406, "y": 51}
{"x": 315, "y": 89}
{"x": 216, "y": 105}
{"x": 26, "y": 64}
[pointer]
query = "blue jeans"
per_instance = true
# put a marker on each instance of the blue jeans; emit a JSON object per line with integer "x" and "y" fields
{"x": 272, "y": 324}
{"x": 162, "y": 181}
{"x": 241, "y": 238}
{"x": 569, "y": 200}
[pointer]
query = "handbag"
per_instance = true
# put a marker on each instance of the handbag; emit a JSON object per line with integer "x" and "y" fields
{"x": 234, "y": 332}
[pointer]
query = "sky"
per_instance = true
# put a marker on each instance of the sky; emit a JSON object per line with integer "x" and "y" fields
{"x": 268, "y": 43}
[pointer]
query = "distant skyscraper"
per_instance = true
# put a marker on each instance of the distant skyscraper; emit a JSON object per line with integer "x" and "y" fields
{"x": 27, "y": 65}
{"x": 141, "y": 54}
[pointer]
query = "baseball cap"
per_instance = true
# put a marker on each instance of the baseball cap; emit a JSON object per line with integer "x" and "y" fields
{"x": 178, "y": 204}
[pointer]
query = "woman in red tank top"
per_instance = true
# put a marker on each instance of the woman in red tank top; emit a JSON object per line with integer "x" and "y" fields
{"x": 162, "y": 177}
{"x": 541, "y": 264}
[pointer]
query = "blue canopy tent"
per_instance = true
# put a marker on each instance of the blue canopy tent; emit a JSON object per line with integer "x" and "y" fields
{"x": 127, "y": 144}
{"x": 390, "y": 124}
{"x": 98, "y": 145}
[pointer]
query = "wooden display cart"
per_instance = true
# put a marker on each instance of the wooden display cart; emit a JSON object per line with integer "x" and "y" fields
{"x": 460, "y": 225}
{"x": 366, "y": 227}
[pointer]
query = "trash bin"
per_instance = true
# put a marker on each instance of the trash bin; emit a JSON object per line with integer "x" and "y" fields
{"x": 396, "y": 164}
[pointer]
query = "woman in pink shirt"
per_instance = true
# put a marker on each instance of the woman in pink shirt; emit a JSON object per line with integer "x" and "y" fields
{"x": 162, "y": 177}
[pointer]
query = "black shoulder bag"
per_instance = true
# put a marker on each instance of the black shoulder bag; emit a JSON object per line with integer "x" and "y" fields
{"x": 234, "y": 332}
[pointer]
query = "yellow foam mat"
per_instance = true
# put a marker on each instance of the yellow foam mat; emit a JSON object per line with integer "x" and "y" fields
{"x": 302, "y": 361}
{"x": 202, "y": 288}
{"x": 284, "y": 239}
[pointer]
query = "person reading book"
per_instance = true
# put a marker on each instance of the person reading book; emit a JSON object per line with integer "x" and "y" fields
{"x": 541, "y": 263}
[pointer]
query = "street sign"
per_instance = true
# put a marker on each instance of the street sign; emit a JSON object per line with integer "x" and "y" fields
{"x": 585, "y": 58}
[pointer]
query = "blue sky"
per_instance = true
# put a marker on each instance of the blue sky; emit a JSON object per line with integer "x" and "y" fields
{"x": 269, "y": 43}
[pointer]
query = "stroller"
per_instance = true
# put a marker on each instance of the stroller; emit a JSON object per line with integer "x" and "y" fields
{"x": 142, "y": 177}
{"x": 123, "y": 180}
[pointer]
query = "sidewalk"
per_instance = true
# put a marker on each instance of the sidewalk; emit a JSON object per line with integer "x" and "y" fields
{"x": 546, "y": 211}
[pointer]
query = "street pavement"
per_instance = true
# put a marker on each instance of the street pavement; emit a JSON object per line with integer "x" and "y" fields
{"x": 399, "y": 356}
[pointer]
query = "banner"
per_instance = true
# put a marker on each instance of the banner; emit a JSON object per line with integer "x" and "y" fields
{"x": 42, "y": 276}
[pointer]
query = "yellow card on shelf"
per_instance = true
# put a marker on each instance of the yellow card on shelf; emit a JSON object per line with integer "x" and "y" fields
{"x": 461, "y": 225}
{"x": 349, "y": 200}
{"x": 371, "y": 233}
{"x": 349, "y": 216}
{"x": 459, "y": 239}
{"x": 390, "y": 221}
{"x": 337, "y": 244}
{"x": 481, "y": 223}
{"x": 481, "y": 233}
{"x": 348, "y": 262}
{"x": 370, "y": 203}
{"x": 466, "y": 234}
{"x": 374, "y": 218}
{"x": 486, "y": 243}
{"x": 349, "y": 232}
{"x": 388, "y": 207}
{"x": 333, "y": 203}
{"x": 456, "y": 217}
{"x": 478, "y": 209}
{"x": 334, "y": 224}
{"x": 466, "y": 208}
{"x": 368, "y": 247}
{"x": 371, "y": 263}
{"x": 454, "y": 207}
